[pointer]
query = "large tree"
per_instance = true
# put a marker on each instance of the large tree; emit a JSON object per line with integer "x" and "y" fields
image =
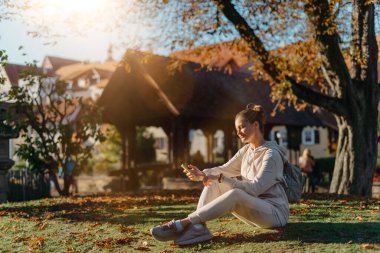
{"x": 353, "y": 92}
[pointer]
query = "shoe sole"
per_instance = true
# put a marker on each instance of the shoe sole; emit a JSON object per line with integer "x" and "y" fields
{"x": 163, "y": 239}
{"x": 195, "y": 240}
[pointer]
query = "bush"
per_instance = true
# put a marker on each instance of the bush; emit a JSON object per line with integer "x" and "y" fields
{"x": 324, "y": 165}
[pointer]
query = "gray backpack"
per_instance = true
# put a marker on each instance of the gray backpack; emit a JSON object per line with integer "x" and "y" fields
{"x": 293, "y": 182}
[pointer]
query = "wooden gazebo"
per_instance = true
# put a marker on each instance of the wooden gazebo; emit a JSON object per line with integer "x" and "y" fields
{"x": 144, "y": 92}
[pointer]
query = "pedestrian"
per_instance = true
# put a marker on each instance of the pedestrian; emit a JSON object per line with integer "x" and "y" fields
{"x": 257, "y": 199}
{"x": 307, "y": 163}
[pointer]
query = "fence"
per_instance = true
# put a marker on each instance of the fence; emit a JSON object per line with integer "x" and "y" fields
{"x": 26, "y": 185}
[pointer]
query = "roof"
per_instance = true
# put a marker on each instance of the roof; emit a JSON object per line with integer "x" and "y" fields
{"x": 73, "y": 71}
{"x": 194, "y": 92}
{"x": 217, "y": 55}
{"x": 58, "y": 62}
{"x": 13, "y": 71}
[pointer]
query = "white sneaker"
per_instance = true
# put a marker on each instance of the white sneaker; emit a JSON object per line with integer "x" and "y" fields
{"x": 195, "y": 233}
{"x": 165, "y": 232}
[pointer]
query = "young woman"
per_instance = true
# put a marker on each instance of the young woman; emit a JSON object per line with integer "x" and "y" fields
{"x": 258, "y": 199}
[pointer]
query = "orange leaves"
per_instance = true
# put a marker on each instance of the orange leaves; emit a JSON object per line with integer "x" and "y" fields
{"x": 41, "y": 226}
{"x": 92, "y": 226}
{"x": 367, "y": 246}
{"x": 109, "y": 242}
{"x": 34, "y": 243}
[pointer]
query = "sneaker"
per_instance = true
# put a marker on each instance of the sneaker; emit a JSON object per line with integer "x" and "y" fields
{"x": 165, "y": 232}
{"x": 195, "y": 233}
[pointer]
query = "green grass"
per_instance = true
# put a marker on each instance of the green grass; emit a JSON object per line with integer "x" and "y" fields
{"x": 320, "y": 223}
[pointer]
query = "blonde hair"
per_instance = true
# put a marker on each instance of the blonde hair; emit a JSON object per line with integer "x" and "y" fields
{"x": 306, "y": 152}
{"x": 252, "y": 113}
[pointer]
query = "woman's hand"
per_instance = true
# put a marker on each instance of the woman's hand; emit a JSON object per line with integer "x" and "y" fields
{"x": 209, "y": 179}
{"x": 199, "y": 175}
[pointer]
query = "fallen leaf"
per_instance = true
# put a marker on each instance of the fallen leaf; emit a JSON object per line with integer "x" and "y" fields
{"x": 367, "y": 246}
{"x": 42, "y": 226}
{"x": 142, "y": 248}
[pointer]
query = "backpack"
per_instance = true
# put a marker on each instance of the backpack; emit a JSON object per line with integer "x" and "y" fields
{"x": 293, "y": 182}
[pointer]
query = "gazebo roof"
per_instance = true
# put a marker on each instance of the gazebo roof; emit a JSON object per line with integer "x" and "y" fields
{"x": 143, "y": 90}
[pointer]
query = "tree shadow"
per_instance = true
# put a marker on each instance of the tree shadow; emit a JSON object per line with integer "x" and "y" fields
{"x": 312, "y": 232}
{"x": 126, "y": 212}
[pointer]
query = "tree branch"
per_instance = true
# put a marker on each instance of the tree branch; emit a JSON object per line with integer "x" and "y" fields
{"x": 327, "y": 38}
{"x": 334, "y": 105}
{"x": 363, "y": 46}
{"x": 247, "y": 33}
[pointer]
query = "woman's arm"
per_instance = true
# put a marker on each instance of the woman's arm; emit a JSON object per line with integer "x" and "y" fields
{"x": 232, "y": 167}
{"x": 269, "y": 175}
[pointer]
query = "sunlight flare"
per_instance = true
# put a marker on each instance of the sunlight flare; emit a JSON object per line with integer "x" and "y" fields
{"x": 79, "y": 5}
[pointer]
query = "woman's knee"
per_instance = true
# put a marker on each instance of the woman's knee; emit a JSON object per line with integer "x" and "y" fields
{"x": 235, "y": 194}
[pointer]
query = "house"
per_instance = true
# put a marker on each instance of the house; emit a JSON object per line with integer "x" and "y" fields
{"x": 53, "y": 63}
{"x": 86, "y": 79}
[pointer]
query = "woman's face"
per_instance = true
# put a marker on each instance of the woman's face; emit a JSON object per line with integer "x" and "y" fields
{"x": 246, "y": 131}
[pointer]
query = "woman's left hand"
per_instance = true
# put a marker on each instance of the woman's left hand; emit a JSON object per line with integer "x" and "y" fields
{"x": 209, "y": 179}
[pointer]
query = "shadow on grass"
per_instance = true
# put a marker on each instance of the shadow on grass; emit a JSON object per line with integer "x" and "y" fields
{"x": 312, "y": 232}
{"x": 121, "y": 212}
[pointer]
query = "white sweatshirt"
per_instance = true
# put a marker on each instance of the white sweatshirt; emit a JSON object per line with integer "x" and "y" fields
{"x": 262, "y": 172}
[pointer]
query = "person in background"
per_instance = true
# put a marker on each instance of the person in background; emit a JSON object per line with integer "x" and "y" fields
{"x": 306, "y": 163}
{"x": 258, "y": 199}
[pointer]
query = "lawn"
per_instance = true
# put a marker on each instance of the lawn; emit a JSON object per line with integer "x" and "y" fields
{"x": 320, "y": 223}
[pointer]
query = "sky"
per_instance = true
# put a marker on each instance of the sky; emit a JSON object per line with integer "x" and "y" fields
{"x": 92, "y": 46}
{"x": 75, "y": 29}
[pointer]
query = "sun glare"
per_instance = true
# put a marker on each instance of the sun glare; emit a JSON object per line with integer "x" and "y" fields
{"x": 79, "y": 5}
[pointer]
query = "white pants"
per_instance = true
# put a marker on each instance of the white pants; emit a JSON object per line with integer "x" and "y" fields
{"x": 219, "y": 199}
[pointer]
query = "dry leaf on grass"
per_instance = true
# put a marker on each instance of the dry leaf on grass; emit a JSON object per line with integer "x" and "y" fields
{"x": 367, "y": 246}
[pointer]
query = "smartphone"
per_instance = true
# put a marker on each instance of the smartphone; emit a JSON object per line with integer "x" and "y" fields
{"x": 189, "y": 170}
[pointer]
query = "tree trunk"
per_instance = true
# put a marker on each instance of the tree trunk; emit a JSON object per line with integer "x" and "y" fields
{"x": 356, "y": 155}
{"x": 67, "y": 181}
{"x": 54, "y": 178}
{"x": 357, "y": 145}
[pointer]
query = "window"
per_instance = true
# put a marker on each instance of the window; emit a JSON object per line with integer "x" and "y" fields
{"x": 160, "y": 143}
{"x": 69, "y": 85}
{"x": 316, "y": 137}
{"x": 281, "y": 137}
{"x": 82, "y": 83}
{"x": 308, "y": 137}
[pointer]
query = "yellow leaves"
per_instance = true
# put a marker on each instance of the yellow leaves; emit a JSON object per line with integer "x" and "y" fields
{"x": 369, "y": 2}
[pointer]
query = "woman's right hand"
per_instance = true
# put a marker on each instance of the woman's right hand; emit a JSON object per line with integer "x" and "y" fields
{"x": 199, "y": 175}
